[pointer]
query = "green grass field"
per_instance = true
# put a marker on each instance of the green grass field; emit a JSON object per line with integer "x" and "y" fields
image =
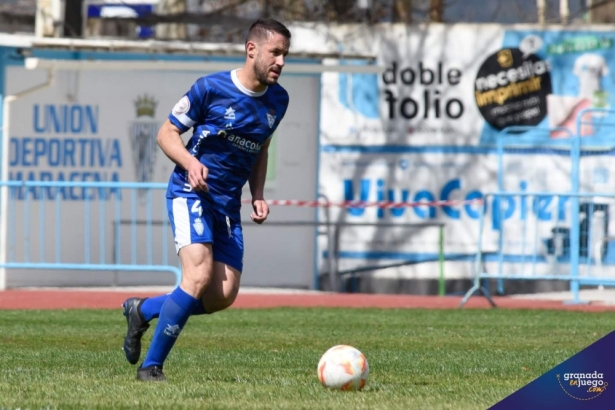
{"x": 266, "y": 359}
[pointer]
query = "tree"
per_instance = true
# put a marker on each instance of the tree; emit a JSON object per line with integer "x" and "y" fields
{"x": 436, "y": 10}
{"x": 402, "y": 11}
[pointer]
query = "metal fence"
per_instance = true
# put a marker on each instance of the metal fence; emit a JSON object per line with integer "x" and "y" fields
{"x": 537, "y": 248}
{"x": 121, "y": 227}
{"x": 559, "y": 235}
{"x": 62, "y": 225}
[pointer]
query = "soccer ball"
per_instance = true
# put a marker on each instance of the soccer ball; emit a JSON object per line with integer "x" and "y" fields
{"x": 343, "y": 368}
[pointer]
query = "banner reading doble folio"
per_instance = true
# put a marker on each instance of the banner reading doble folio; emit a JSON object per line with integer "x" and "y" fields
{"x": 425, "y": 129}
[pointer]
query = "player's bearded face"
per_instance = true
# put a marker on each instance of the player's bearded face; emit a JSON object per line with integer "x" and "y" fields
{"x": 270, "y": 59}
{"x": 261, "y": 71}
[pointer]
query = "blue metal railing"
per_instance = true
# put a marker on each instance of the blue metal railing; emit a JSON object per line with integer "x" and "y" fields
{"x": 574, "y": 144}
{"x": 68, "y": 224}
{"x": 573, "y": 252}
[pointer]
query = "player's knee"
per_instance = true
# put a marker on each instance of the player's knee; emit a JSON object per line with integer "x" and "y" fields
{"x": 231, "y": 294}
{"x": 219, "y": 305}
{"x": 221, "y": 301}
{"x": 229, "y": 300}
{"x": 194, "y": 284}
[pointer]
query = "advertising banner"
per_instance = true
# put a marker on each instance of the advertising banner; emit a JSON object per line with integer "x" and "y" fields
{"x": 425, "y": 129}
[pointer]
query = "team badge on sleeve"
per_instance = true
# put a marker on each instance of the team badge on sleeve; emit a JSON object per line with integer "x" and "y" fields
{"x": 182, "y": 106}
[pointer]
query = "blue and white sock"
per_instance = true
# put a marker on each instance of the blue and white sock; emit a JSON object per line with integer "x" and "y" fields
{"x": 173, "y": 316}
{"x": 151, "y": 307}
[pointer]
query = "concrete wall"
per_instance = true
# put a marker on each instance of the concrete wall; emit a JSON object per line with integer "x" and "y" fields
{"x": 82, "y": 128}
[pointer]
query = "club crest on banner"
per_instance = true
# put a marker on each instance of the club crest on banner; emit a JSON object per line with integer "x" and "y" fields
{"x": 143, "y": 133}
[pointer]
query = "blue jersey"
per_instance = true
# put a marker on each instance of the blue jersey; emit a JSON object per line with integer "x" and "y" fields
{"x": 230, "y": 125}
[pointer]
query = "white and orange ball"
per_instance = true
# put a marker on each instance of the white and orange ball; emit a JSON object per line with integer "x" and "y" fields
{"x": 343, "y": 368}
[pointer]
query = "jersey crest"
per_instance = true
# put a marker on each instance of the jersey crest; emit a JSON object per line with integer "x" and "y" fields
{"x": 271, "y": 120}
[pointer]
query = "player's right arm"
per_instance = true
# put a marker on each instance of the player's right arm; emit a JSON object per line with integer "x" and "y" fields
{"x": 169, "y": 140}
{"x": 189, "y": 110}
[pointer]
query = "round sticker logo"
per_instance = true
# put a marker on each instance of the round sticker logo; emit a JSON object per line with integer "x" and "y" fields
{"x": 182, "y": 106}
{"x": 511, "y": 88}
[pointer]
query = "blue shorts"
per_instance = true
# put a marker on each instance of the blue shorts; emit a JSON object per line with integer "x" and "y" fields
{"x": 193, "y": 221}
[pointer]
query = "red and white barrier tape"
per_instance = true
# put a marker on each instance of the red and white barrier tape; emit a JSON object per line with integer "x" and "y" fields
{"x": 363, "y": 204}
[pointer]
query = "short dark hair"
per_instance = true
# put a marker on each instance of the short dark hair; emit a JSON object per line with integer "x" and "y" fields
{"x": 258, "y": 30}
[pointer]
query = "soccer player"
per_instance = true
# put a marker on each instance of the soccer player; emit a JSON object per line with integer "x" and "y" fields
{"x": 233, "y": 115}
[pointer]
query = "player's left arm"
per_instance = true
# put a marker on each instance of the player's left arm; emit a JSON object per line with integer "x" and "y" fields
{"x": 257, "y": 185}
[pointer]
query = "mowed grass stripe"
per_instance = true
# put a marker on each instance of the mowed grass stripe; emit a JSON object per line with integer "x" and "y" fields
{"x": 266, "y": 359}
